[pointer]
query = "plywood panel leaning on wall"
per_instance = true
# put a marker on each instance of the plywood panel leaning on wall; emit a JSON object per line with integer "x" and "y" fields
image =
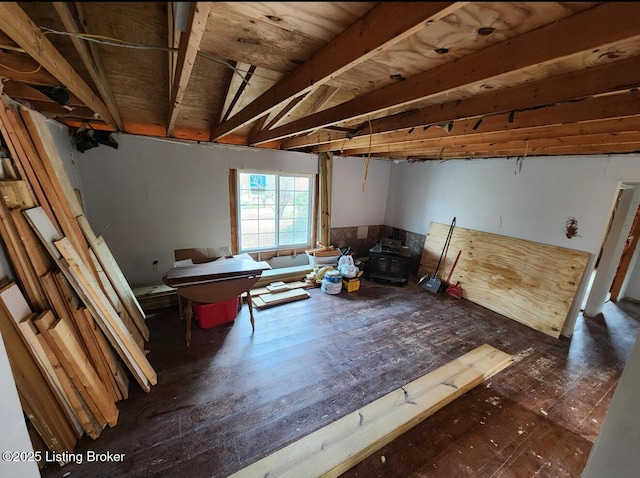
{"x": 529, "y": 282}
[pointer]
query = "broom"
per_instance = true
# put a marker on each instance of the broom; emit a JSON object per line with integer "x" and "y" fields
{"x": 433, "y": 284}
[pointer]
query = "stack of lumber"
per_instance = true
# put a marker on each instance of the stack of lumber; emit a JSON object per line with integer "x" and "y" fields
{"x": 323, "y": 251}
{"x": 278, "y": 293}
{"x": 72, "y": 326}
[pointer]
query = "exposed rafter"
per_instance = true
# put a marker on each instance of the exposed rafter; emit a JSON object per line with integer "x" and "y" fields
{"x": 385, "y": 25}
{"x": 17, "y": 25}
{"x": 189, "y": 45}
{"x": 545, "y": 45}
{"x": 239, "y": 91}
{"x": 293, "y": 104}
{"x": 93, "y": 63}
{"x": 580, "y": 114}
{"x": 588, "y": 117}
{"x": 173, "y": 37}
{"x": 395, "y": 80}
{"x": 617, "y": 76}
{"x": 321, "y": 96}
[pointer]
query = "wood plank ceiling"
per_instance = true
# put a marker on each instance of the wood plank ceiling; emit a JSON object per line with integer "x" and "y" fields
{"x": 417, "y": 81}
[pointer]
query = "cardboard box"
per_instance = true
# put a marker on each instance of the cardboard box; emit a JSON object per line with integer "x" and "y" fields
{"x": 351, "y": 285}
{"x": 219, "y": 313}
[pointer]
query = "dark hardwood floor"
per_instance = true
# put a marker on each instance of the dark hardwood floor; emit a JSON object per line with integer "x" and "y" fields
{"x": 232, "y": 398}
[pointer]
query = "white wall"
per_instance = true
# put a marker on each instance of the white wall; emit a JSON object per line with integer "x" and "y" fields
{"x": 350, "y": 206}
{"x": 152, "y": 196}
{"x": 528, "y": 199}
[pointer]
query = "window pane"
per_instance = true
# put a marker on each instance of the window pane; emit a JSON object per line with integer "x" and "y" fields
{"x": 270, "y": 216}
{"x": 286, "y": 183}
{"x": 301, "y": 184}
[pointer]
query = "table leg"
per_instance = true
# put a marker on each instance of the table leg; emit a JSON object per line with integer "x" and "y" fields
{"x": 187, "y": 316}
{"x": 253, "y": 327}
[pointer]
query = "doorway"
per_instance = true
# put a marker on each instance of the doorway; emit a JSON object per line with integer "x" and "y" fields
{"x": 615, "y": 244}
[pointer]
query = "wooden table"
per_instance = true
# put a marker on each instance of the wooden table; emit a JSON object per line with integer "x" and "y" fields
{"x": 215, "y": 281}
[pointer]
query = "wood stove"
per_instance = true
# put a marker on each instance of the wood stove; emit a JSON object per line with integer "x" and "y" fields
{"x": 389, "y": 261}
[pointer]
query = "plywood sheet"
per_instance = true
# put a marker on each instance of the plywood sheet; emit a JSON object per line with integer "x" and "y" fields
{"x": 529, "y": 282}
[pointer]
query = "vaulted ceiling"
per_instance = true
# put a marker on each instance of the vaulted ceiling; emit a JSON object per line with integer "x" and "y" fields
{"x": 416, "y": 81}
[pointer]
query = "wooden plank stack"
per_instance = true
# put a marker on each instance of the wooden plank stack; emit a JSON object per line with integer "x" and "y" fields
{"x": 72, "y": 326}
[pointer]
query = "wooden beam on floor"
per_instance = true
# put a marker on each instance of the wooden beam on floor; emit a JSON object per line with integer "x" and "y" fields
{"x": 337, "y": 447}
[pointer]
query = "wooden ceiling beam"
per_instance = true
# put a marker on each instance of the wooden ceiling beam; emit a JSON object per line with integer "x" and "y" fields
{"x": 383, "y": 26}
{"x": 545, "y": 45}
{"x": 522, "y": 152}
{"x": 620, "y": 75}
{"x": 19, "y": 27}
{"x": 290, "y": 107}
{"x": 241, "y": 87}
{"x": 54, "y": 110}
{"x": 17, "y": 89}
{"x": 21, "y": 67}
{"x": 606, "y": 78}
{"x": 188, "y": 50}
{"x": 173, "y": 39}
{"x": 92, "y": 61}
{"x": 598, "y": 108}
{"x": 588, "y": 129}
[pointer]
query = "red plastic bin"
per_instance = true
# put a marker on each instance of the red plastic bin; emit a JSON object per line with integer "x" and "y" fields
{"x": 219, "y": 313}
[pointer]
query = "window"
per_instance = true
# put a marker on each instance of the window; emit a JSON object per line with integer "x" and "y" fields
{"x": 274, "y": 210}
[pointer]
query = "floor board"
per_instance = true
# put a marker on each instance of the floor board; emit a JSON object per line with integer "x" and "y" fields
{"x": 233, "y": 397}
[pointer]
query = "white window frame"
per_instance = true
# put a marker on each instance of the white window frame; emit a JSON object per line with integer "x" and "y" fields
{"x": 311, "y": 209}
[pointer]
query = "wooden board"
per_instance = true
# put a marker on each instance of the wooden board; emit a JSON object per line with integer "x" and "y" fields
{"x": 276, "y": 298}
{"x": 290, "y": 285}
{"x": 115, "y": 275}
{"x": 277, "y": 287}
{"x": 60, "y": 383}
{"x": 529, "y": 282}
{"x": 16, "y": 194}
{"x": 106, "y": 316}
{"x": 333, "y": 449}
{"x": 156, "y": 296}
{"x": 89, "y": 379}
{"x": 93, "y": 297}
{"x": 80, "y": 407}
{"x": 37, "y": 399}
{"x": 12, "y": 301}
{"x": 19, "y": 256}
{"x": 82, "y": 330}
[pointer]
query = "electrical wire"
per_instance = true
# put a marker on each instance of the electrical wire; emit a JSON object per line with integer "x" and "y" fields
{"x": 105, "y": 40}
{"x": 22, "y": 72}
